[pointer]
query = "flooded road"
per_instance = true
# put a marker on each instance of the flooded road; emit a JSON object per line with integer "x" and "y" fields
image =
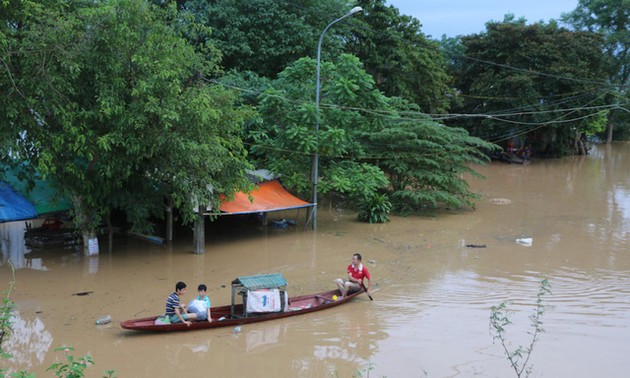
{"x": 431, "y": 308}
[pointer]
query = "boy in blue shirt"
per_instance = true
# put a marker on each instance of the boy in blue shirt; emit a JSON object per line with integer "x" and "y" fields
{"x": 201, "y": 305}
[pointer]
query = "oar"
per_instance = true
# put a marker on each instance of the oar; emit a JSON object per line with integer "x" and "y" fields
{"x": 366, "y": 292}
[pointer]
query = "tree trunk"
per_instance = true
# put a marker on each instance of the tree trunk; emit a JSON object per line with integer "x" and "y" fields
{"x": 581, "y": 148}
{"x": 199, "y": 233}
{"x": 609, "y": 137}
{"x": 110, "y": 233}
{"x": 169, "y": 221}
{"x": 87, "y": 228}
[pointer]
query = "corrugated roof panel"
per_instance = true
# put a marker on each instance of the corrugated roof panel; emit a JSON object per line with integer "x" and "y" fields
{"x": 263, "y": 281}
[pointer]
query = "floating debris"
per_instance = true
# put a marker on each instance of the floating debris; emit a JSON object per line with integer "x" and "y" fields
{"x": 500, "y": 201}
{"x": 476, "y": 245}
{"x": 103, "y": 320}
{"x": 82, "y": 293}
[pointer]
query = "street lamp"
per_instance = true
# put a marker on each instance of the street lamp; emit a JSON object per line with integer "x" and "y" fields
{"x": 316, "y": 155}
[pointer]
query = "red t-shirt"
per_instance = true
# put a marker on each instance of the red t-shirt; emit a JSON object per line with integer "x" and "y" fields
{"x": 359, "y": 273}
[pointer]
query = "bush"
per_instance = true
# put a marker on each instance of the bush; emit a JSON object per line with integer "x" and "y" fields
{"x": 375, "y": 209}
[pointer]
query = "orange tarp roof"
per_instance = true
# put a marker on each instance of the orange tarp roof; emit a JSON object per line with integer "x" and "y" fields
{"x": 268, "y": 196}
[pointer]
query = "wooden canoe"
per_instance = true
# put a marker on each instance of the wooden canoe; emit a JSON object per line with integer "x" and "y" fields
{"x": 221, "y": 317}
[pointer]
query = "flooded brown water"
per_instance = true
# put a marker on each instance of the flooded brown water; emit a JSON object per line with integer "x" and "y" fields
{"x": 431, "y": 308}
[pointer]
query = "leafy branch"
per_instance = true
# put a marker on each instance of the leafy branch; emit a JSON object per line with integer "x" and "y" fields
{"x": 6, "y": 313}
{"x": 71, "y": 368}
{"x": 519, "y": 358}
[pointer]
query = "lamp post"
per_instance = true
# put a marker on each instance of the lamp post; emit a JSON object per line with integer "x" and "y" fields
{"x": 315, "y": 168}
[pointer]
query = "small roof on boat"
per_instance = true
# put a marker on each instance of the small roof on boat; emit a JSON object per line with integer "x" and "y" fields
{"x": 263, "y": 281}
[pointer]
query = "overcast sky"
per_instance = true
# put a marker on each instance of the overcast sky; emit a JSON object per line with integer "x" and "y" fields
{"x": 463, "y": 17}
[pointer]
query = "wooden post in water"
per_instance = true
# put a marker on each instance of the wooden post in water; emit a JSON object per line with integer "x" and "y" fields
{"x": 199, "y": 233}
{"x": 169, "y": 220}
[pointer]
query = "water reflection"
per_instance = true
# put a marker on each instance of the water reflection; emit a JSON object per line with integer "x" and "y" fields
{"x": 29, "y": 341}
{"x": 203, "y": 346}
{"x": 621, "y": 201}
{"x": 259, "y": 338}
{"x": 13, "y": 248}
{"x": 91, "y": 264}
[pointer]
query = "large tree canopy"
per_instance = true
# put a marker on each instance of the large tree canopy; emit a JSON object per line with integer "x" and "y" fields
{"x": 540, "y": 83}
{"x": 263, "y": 36}
{"x": 611, "y": 18}
{"x": 404, "y": 62}
{"x": 107, "y": 99}
{"x": 366, "y": 142}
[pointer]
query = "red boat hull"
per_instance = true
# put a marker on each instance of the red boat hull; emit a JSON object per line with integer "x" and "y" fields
{"x": 297, "y": 306}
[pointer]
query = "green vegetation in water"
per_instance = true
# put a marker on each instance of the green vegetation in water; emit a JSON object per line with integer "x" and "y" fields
{"x": 365, "y": 371}
{"x": 375, "y": 209}
{"x": 519, "y": 358}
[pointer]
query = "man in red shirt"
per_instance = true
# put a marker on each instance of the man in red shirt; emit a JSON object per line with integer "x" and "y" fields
{"x": 356, "y": 273}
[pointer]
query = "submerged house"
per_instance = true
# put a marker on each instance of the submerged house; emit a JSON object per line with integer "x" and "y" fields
{"x": 268, "y": 196}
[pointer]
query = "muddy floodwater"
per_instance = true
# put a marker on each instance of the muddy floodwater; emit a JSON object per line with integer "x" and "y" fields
{"x": 436, "y": 279}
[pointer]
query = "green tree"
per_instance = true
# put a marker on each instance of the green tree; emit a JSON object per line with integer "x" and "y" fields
{"x": 425, "y": 161}
{"x": 109, "y": 100}
{"x": 368, "y": 145}
{"x": 403, "y": 61}
{"x": 611, "y": 18}
{"x": 263, "y": 36}
{"x": 285, "y": 140}
{"x": 540, "y": 83}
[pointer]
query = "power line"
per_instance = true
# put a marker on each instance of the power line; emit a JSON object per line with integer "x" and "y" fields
{"x": 538, "y": 73}
{"x": 412, "y": 116}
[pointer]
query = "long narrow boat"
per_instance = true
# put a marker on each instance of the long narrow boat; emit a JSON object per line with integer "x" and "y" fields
{"x": 222, "y": 316}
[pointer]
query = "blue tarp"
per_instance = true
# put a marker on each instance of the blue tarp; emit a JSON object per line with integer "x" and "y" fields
{"x": 14, "y": 207}
{"x": 42, "y": 195}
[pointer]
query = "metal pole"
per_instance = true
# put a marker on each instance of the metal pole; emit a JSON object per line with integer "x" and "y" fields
{"x": 315, "y": 167}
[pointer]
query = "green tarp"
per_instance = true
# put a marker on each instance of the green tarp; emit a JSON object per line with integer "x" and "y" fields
{"x": 42, "y": 196}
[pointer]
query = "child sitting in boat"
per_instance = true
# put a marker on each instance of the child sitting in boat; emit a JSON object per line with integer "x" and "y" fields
{"x": 201, "y": 305}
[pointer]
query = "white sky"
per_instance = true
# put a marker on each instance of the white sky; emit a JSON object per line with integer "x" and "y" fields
{"x": 463, "y": 17}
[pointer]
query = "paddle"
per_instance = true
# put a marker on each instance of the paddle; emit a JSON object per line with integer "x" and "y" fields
{"x": 366, "y": 292}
